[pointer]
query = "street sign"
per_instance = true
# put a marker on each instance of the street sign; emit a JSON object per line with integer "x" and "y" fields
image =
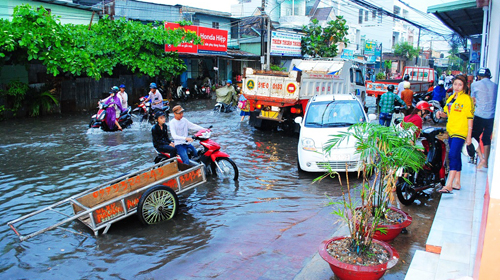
{"x": 285, "y": 44}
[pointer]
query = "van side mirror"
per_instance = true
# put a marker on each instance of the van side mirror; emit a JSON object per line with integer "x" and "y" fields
{"x": 372, "y": 117}
{"x": 298, "y": 120}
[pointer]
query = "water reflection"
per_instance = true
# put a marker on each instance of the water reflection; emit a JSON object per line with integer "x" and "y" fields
{"x": 220, "y": 222}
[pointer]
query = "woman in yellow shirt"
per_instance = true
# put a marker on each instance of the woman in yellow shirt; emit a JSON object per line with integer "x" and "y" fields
{"x": 459, "y": 109}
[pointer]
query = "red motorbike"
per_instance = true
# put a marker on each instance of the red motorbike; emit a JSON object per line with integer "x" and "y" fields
{"x": 209, "y": 155}
{"x": 433, "y": 173}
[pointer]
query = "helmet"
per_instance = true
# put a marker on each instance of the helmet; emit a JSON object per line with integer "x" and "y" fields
{"x": 406, "y": 84}
{"x": 229, "y": 82}
{"x": 115, "y": 89}
{"x": 122, "y": 86}
{"x": 470, "y": 150}
{"x": 390, "y": 87}
{"x": 159, "y": 114}
{"x": 484, "y": 72}
{"x": 424, "y": 105}
{"x": 152, "y": 85}
{"x": 440, "y": 82}
{"x": 406, "y": 77}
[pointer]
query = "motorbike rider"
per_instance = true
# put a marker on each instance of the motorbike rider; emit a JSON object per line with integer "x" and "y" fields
{"x": 416, "y": 117}
{"x": 155, "y": 98}
{"x": 159, "y": 131}
{"x": 407, "y": 96}
{"x": 401, "y": 85}
{"x": 114, "y": 110}
{"x": 386, "y": 104}
{"x": 179, "y": 129}
{"x": 439, "y": 93}
{"x": 123, "y": 96}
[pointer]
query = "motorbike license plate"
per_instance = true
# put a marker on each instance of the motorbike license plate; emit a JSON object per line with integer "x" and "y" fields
{"x": 269, "y": 114}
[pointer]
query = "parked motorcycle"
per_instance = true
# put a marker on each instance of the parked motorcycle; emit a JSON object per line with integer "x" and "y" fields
{"x": 216, "y": 162}
{"x": 436, "y": 106}
{"x": 205, "y": 91}
{"x": 433, "y": 174}
{"x": 98, "y": 120}
{"x": 146, "y": 114}
{"x": 422, "y": 96}
{"x": 183, "y": 93}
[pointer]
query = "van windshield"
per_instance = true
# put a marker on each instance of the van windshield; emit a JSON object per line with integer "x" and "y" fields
{"x": 339, "y": 113}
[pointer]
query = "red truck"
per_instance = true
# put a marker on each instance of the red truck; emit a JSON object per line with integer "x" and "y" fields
{"x": 421, "y": 80}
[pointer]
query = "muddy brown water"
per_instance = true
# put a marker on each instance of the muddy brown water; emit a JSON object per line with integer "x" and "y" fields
{"x": 266, "y": 225}
{"x": 223, "y": 229}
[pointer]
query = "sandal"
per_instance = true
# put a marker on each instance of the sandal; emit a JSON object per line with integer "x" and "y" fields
{"x": 444, "y": 190}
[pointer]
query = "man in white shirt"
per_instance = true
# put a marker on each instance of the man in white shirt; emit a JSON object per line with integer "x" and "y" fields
{"x": 155, "y": 98}
{"x": 123, "y": 96}
{"x": 179, "y": 129}
{"x": 401, "y": 85}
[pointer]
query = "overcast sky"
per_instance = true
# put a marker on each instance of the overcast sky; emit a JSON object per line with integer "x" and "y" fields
{"x": 225, "y": 5}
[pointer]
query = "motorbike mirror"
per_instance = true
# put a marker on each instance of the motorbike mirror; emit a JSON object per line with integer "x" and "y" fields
{"x": 298, "y": 120}
{"x": 210, "y": 127}
{"x": 372, "y": 117}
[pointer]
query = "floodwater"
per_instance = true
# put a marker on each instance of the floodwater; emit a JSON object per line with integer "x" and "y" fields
{"x": 265, "y": 225}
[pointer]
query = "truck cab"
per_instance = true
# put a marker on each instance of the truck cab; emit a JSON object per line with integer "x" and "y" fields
{"x": 277, "y": 98}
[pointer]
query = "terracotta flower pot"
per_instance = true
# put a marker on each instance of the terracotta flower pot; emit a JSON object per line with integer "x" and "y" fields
{"x": 393, "y": 230}
{"x": 346, "y": 271}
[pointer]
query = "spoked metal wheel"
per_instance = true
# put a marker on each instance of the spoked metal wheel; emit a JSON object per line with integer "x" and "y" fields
{"x": 157, "y": 204}
{"x": 406, "y": 193}
{"x": 225, "y": 168}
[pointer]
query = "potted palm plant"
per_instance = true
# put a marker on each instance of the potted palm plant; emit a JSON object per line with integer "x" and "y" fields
{"x": 383, "y": 151}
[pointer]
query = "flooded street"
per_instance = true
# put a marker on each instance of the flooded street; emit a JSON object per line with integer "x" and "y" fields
{"x": 266, "y": 225}
{"x": 224, "y": 229}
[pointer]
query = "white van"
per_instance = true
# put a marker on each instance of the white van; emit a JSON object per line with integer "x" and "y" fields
{"x": 328, "y": 115}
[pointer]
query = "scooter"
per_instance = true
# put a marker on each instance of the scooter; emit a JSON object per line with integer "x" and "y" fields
{"x": 433, "y": 174}
{"x": 146, "y": 113}
{"x": 425, "y": 96}
{"x": 209, "y": 155}
{"x": 205, "y": 91}
{"x": 223, "y": 108}
{"x": 397, "y": 116}
{"x": 98, "y": 120}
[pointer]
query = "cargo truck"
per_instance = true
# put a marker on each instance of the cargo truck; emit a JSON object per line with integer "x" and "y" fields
{"x": 277, "y": 98}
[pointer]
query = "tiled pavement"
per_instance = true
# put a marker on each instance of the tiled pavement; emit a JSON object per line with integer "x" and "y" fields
{"x": 452, "y": 243}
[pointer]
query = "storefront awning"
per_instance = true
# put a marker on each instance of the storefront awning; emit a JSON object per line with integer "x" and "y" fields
{"x": 463, "y": 17}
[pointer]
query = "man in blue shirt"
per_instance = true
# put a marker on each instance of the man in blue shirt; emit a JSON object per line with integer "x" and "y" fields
{"x": 439, "y": 93}
{"x": 484, "y": 94}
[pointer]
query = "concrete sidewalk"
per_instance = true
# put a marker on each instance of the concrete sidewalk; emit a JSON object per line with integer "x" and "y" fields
{"x": 451, "y": 243}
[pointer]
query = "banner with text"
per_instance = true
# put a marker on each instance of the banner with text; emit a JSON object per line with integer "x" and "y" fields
{"x": 285, "y": 44}
{"x": 475, "y": 52}
{"x": 214, "y": 40}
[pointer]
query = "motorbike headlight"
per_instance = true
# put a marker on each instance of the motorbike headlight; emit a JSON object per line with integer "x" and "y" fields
{"x": 308, "y": 144}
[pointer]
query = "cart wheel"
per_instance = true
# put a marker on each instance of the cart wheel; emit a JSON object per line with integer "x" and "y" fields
{"x": 158, "y": 203}
{"x": 228, "y": 168}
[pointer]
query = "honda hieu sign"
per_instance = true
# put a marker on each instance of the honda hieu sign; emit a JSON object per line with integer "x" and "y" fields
{"x": 214, "y": 40}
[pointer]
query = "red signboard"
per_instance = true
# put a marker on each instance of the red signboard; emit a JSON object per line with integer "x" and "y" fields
{"x": 214, "y": 40}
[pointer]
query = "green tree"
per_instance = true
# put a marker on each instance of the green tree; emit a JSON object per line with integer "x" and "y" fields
{"x": 322, "y": 42}
{"x": 77, "y": 49}
{"x": 406, "y": 50}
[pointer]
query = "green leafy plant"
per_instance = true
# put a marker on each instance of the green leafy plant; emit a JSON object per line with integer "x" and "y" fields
{"x": 382, "y": 151}
{"x": 41, "y": 100}
{"x": 323, "y": 42}
{"x": 275, "y": 67}
{"x": 406, "y": 50}
{"x": 14, "y": 95}
{"x": 380, "y": 76}
{"x": 77, "y": 50}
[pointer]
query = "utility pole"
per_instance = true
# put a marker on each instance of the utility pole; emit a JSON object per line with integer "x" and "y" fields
{"x": 418, "y": 46}
{"x": 268, "y": 58}
{"x": 262, "y": 49}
